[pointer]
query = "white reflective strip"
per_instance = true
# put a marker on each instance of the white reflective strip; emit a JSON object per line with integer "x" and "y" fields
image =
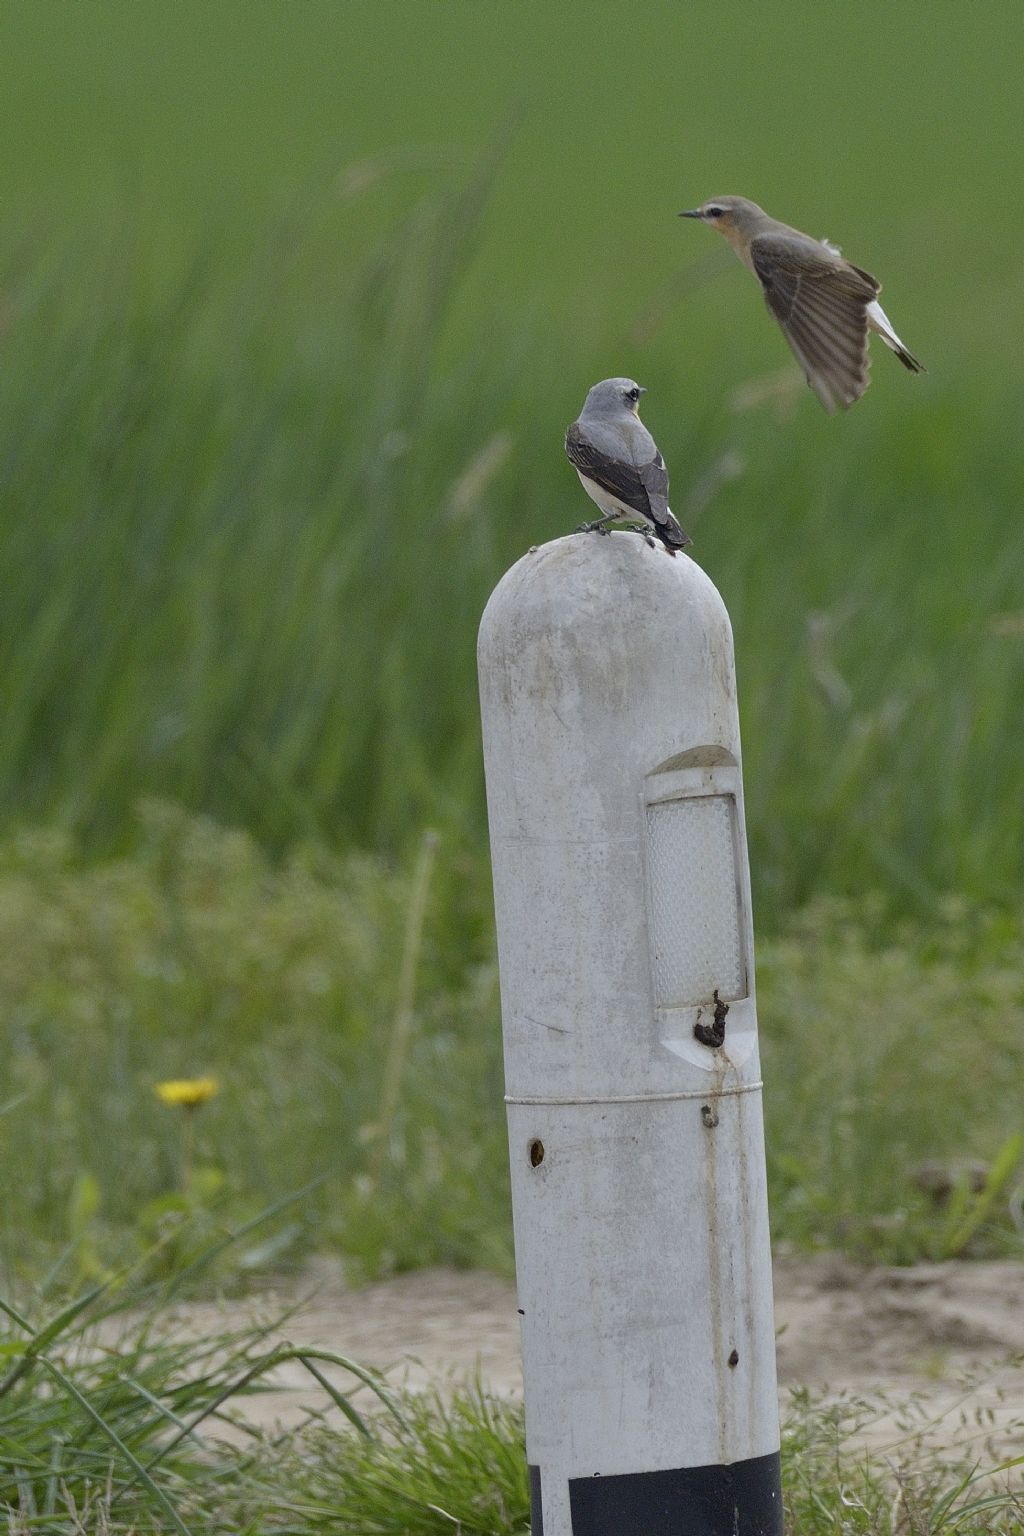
{"x": 694, "y": 892}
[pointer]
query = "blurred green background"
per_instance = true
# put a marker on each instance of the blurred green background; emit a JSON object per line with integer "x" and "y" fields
{"x": 295, "y": 303}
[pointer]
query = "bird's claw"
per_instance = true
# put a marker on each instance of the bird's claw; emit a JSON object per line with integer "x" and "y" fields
{"x": 597, "y": 527}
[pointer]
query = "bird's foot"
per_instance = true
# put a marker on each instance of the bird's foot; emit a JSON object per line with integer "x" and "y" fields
{"x": 598, "y": 527}
{"x": 644, "y": 532}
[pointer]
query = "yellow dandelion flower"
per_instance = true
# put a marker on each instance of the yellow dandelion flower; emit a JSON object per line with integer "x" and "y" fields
{"x": 189, "y": 1092}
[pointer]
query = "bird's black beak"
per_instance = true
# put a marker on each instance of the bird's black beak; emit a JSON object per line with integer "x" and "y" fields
{"x": 691, "y": 213}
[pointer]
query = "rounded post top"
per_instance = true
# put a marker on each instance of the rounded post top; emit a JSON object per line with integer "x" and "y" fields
{"x": 612, "y": 753}
{"x": 627, "y": 627}
{"x": 605, "y": 584}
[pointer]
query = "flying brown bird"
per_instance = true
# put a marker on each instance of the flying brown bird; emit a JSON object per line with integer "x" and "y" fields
{"x": 825, "y": 305}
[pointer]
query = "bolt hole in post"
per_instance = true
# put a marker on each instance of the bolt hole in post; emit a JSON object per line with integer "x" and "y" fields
{"x": 709, "y": 1115}
{"x": 536, "y": 1153}
{"x": 734, "y": 1360}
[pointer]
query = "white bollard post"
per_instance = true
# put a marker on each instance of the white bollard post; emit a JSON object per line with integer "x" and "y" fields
{"x": 625, "y": 946}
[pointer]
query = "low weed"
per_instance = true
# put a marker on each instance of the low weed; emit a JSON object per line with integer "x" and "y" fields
{"x": 112, "y": 1422}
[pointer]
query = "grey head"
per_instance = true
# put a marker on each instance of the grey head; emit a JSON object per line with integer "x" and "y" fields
{"x": 730, "y": 215}
{"x": 613, "y": 398}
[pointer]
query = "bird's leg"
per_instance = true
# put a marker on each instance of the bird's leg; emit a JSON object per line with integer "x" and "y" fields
{"x": 598, "y": 525}
{"x": 644, "y": 532}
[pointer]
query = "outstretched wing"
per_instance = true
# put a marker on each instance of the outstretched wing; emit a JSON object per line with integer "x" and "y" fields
{"x": 641, "y": 487}
{"x": 821, "y": 303}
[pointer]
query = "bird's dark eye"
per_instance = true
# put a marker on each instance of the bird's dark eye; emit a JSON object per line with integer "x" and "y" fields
{"x": 632, "y": 394}
{"x": 715, "y": 213}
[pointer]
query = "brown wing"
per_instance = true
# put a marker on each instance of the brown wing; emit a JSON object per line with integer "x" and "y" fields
{"x": 821, "y": 303}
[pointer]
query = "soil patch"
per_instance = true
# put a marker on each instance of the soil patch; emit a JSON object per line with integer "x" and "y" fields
{"x": 948, "y": 1338}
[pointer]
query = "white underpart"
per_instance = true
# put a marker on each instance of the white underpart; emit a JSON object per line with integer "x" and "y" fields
{"x": 879, "y": 321}
{"x": 611, "y": 504}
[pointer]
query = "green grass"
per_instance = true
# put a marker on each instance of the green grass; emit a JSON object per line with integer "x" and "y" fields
{"x": 251, "y": 530}
{"x": 286, "y": 369}
{"x": 895, "y": 146}
{"x": 350, "y": 1013}
{"x": 285, "y": 359}
{"x": 282, "y": 396}
{"x": 198, "y": 956}
{"x": 121, "y": 1429}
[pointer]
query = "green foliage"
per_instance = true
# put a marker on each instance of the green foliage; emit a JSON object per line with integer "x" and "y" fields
{"x": 104, "y": 1411}
{"x": 253, "y": 520}
{"x": 885, "y": 1045}
{"x": 457, "y": 1463}
{"x": 259, "y": 473}
{"x": 214, "y": 610}
{"x": 834, "y": 1485}
{"x": 969, "y": 1210}
{"x": 199, "y": 955}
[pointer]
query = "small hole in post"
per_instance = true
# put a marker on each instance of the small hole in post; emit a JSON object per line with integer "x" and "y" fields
{"x": 734, "y": 1360}
{"x": 536, "y": 1153}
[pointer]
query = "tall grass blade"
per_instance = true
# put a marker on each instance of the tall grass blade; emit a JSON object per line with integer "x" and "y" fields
{"x": 140, "y": 1472}
{"x": 39, "y": 1341}
{"x": 401, "y": 1029}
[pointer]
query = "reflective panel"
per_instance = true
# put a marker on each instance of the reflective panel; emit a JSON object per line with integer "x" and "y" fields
{"x": 695, "y": 912}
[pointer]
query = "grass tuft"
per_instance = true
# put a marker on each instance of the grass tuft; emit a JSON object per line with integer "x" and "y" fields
{"x": 137, "y": 1428}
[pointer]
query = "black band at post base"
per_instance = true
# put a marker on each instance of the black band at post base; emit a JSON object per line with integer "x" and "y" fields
{"x": 536, "y": 1513}
{"x": 742, "y": 1499}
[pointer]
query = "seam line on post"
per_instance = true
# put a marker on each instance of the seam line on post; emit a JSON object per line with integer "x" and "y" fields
{"x": 640, "y": 1098}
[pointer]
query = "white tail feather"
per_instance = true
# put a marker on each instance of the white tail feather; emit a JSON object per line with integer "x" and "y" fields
{"x": 879, "y": 321}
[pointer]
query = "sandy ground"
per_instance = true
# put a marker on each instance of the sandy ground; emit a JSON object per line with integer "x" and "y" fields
{"x": 921, "y": 1332}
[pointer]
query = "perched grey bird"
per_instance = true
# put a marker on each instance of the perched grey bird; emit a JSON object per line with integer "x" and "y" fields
{"x": 619, "y": 465}
{"x": 825, "y": 305}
